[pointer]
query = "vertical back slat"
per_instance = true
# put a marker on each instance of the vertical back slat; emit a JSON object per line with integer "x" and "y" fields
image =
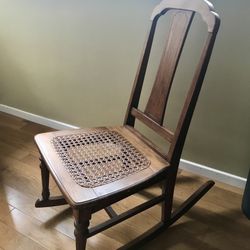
{"x": 156, "y": 105}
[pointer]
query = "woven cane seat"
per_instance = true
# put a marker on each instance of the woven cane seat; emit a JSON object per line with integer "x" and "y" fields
{"x": 97, "y": 158}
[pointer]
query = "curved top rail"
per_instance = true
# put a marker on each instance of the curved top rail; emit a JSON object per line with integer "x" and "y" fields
{"x": 203, "y": 7}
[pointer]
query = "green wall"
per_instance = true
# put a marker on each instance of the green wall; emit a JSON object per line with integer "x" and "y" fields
{"x": 60, "y": 56}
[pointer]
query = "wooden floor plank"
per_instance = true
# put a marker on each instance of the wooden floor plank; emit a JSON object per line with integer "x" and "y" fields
{"x": 37, "y": 231}
{"x": 216, "y": 222}
{"x": 10, "y": 239}
{"x": 19, "y": 175}
{"x": 11, "y": 121}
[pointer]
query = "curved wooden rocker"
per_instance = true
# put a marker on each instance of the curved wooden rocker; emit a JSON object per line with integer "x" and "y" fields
{"x": 97, "y": 167}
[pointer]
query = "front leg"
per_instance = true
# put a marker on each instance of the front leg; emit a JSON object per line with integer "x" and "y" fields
{"x": 82, "y": 218}
{"x": 45, "y": 180}
{"x": 46, "y": 201}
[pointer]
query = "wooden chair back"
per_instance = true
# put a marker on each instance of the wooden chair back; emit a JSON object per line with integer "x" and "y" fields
{"x": 183, "y": 12}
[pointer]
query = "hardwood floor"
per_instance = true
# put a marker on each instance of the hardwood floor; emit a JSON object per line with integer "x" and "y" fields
{"x": 216, "y": 222}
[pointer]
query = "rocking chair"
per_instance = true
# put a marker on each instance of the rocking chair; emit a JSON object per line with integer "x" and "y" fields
{"x": 96, "y": 167}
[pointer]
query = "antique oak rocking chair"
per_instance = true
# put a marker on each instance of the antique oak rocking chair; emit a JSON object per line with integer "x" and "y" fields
{"x": 97, "y": 167}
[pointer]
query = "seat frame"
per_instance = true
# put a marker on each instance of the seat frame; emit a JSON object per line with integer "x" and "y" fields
{"x": 153, "y": 116}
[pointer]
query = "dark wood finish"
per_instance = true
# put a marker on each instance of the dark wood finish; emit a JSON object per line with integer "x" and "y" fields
{"x": 163, "y": 166}
{"x": 159, "y": 95}
{"x": 145, "y": 237}
{"x": 110, "y": 211}
{"x": 46, "y": 200}
{"x": 82, "y": 218}
{"x": 84, "y": 197}
{"x": 164, "y": 132}
{"x": 45, "y": 180}
{"x": 139, "y": 78}
{"x": 191, "y": 99}
{"x": 185, "y": 206}
{"x": 121, "y": 217}
{"x": 170, "y": 218}
{"x": 50, "y": 202}
{"x": 207, "y": 226}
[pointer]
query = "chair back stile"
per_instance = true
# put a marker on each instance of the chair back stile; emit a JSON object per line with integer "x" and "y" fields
{"x": 97, "y": 167}
{"x": 153, "y": 115}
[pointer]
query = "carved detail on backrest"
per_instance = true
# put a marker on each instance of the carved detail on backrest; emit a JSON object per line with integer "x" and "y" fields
{"x": 203, "y": 7}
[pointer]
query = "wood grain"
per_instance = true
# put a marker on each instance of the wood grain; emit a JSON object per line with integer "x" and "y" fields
{"x": 215, "y": 223}
{"x": 78, "y": 195}
{"x": 97, "y": 167}
{"x": 156, "y": 105}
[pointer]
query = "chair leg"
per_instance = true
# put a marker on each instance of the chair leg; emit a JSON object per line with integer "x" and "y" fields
{"x": 167, "y": 204}
{"x": 46, "y": 201}
{"x": 191, "y": 201}
{"x": 82, "y": 219}
{"x": 168, "y": 216}
{"x": 45, "y": 180}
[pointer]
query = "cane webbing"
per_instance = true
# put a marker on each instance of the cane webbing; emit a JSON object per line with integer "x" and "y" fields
{"x": 97, "y": 158}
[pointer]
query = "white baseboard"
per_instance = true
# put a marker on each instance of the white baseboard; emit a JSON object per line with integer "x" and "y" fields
{"x": 193, "y": 167}
{"x": 36, "y": 118}
{"x": 213, "y": 173}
